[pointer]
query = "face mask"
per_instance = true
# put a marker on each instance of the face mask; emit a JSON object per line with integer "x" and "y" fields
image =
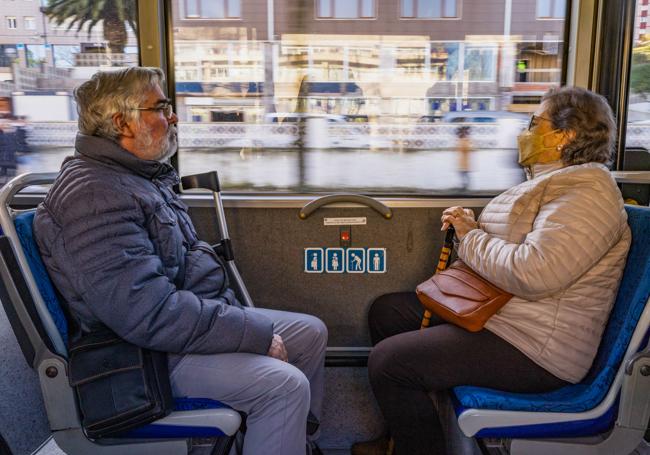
{"x": 532, "y": 149}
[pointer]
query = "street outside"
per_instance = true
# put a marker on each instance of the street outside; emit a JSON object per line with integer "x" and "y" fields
{"x": 420, "y": 171}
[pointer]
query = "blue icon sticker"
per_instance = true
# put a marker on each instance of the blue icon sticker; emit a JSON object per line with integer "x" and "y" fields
{"x": 376, "y": 260}
{"x": 334, "y": 260}
{"x": 355, "y": 260}
{"x": 314, "y": 260}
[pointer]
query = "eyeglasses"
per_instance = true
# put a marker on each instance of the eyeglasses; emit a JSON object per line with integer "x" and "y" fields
{"x": 534, "y": 121}
{"x": 165, "y": 107}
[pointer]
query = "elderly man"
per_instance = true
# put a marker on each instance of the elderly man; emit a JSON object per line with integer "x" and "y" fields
{"x": 122, "y": 250}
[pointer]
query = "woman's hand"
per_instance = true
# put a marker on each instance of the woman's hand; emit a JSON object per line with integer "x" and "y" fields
{"x": 463, "y": 220}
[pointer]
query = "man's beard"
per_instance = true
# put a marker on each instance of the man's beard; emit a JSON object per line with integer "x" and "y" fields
{"x": 161, "y": 149}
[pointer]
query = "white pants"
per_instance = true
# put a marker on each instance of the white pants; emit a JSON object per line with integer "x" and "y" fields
{"x": 275, "y": 395}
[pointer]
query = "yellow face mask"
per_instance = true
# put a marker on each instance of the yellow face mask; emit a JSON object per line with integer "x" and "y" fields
{"x": 532, "y": 149}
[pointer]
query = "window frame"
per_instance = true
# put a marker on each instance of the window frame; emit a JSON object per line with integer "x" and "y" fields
{"x": 200, "y": 17}
{"x": 359, "y": 17}
{"x": 552, "y": 9}
{"x": 32, "y": 21}
{"x": 415, "y": 16}
{"x": 10, "y": 20}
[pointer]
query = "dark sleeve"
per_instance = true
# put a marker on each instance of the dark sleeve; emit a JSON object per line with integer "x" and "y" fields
{"x": 111, "y": 262}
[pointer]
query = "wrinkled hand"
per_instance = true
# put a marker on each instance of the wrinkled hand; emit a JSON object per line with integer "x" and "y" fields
{"x": 277, "y": 349}
{"x": 463, "y": 220}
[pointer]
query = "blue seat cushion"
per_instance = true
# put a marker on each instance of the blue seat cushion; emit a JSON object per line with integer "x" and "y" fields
{"x": 24, "y": 228}
{"x": 630, "y": 302}
{"x": 154, "y": 430}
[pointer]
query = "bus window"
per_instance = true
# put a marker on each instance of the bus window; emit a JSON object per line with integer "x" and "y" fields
{"x": 392, "y": 80}
{"x": 637, "y": 135}
{"x": 48, "y": 52}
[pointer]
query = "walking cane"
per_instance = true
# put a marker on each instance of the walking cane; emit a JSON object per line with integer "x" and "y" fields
{"x": 447, "y": 247}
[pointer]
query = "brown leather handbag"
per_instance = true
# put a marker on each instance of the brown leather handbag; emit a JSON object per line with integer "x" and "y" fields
{"x": 460, "y": 296}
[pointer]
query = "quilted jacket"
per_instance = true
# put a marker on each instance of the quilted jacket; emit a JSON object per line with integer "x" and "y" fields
{"x": 121, "y": 249}
{"x": 558, "y": 242}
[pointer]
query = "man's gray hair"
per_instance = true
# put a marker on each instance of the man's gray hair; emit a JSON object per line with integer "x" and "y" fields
{"x": 111, "y": 92}
{"x": 589, "y": 116}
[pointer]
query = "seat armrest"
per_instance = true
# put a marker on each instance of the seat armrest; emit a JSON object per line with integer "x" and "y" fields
{"x": 634, "y": 411}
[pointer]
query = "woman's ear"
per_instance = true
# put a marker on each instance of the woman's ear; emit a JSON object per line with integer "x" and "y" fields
{"x": 568, "y": 136}
{"x": 122, "y": 125}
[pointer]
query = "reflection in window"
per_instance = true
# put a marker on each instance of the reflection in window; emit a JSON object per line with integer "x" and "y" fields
{"x": 551, "y": 9}
{"x": 345, "y": 9}
{"x": 637, "y": 135}
{"x": 39, "y": 73}
{"x": 321, "y": 105}
{"x": 212, "y": 9}
{"x": 30, "y": 23}
{"x": 480, "y": 64}
{"x": 64, "y": 55}
{"x": 429, "y": 9}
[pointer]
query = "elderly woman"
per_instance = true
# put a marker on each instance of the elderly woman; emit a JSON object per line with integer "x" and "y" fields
{"x": 557, "y": 242}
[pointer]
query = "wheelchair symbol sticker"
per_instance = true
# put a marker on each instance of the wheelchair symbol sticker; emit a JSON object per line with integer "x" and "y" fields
{"x": 355, "y": 260}
{"x": 376, "y": 259}
{"x": 334, "y": 260}
{"x": 314, "y": 260}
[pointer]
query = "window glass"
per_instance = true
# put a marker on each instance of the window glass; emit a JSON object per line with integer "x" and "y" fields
{"x": 367, "y": 8}
{"x": 544, "y": 8}
{"x": 637, "y": 137}
{"x": 234, "y": 8}
{"x": 407, "y": 8}
{"x": 41, "y": 62}
{"x": 345, "y": 9}
{"x": 192, "y": 8}
{"x": 551, "y": 9}
{"x": 450, "y": 8}
{"x": 363, "y": 105}
{"x": 325, "y": 8}
{"x": 30, "y": 23}
{"x": 429, "y": 9}
{"x": 212, "y": 8}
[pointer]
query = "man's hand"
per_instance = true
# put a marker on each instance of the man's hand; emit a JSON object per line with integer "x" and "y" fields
{"x": 277, "y": 349}
{"x": 462, "y": 219}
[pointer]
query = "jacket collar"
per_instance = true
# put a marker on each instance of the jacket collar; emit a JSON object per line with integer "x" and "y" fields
{"x": 110, "y": 153}
{"x": 537, "y": 170}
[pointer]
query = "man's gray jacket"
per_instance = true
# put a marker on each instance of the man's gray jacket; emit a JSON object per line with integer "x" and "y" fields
{"x": 121, "y": 249}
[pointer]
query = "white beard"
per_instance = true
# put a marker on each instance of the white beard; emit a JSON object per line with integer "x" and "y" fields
{"x": 163, "y": 148}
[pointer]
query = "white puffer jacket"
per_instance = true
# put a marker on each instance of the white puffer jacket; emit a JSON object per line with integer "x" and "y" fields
{"x": 558, "y": 242}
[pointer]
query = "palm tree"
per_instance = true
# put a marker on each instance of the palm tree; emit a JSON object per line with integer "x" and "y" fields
{"x": 114, "y": 13}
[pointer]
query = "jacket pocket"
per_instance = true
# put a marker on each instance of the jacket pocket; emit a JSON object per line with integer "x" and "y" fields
{"x": 205, "y": 272}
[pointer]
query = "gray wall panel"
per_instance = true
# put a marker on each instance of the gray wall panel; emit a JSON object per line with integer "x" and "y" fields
{"x": 269, "y": 252}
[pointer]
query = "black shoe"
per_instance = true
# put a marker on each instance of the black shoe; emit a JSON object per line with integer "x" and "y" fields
{"x": 313, "y": 449}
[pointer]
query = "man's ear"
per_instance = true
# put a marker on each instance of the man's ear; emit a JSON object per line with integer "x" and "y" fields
{"x": 122, "y": 125}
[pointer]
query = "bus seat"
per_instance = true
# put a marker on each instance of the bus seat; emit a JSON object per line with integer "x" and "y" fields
{"x": 608, "y": 411}
{"x": 37, "y": 319}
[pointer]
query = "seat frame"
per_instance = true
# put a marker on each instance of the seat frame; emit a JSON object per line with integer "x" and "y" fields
{"x": 627, "y": 404}
{"x": 44, "y": 350}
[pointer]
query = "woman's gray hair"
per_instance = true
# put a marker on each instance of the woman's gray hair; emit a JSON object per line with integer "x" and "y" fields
{"x": 589, "y": 116}
{"x": 111, "y": 92}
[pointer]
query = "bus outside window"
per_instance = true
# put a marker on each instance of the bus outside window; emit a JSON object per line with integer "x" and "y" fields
{"x": 54, "y": 48}
{"x": 393, "y": 80}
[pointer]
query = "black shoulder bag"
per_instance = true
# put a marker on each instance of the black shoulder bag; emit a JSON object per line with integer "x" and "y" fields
{"x": 119, "y": 385}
